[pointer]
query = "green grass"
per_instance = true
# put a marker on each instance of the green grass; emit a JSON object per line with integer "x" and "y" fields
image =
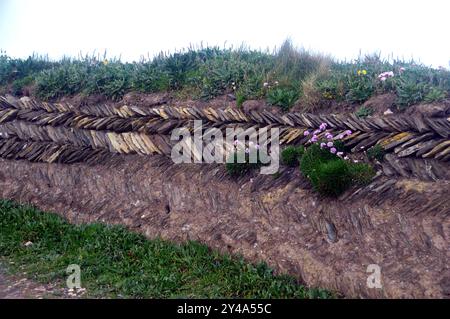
{"x": 116, "y": 262}
{"x": 282, "y": 77}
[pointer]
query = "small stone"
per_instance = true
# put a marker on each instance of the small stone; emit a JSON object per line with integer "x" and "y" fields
{"x": 388, "y": 112}
{"x": 28, "y": 243}
{"x": 331, "y": 232}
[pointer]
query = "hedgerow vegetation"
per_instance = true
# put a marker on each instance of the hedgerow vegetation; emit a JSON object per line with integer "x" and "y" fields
{"x": 115, "y": 262}
{"x": 283, "y": 77}
{"x": 331, "y": 175}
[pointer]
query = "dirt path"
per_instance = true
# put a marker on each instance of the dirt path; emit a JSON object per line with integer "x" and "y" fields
{"x": 20, "y": 287}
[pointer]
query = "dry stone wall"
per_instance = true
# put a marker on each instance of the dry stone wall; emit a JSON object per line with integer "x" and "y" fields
{"x": 111, "y": 164}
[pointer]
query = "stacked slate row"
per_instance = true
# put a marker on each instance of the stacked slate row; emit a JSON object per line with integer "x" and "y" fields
{"x": 63, "y": 133}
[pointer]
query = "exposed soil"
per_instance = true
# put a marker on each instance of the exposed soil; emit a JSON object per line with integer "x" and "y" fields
{"x": 379, "y": 103}
{"x": 401, "y": 225}
{"x": 20, "y": 287}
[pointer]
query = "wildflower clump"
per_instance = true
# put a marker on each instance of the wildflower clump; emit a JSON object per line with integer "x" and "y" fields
{"x": 385, "y": 75}
{"x": 328, "y": 169}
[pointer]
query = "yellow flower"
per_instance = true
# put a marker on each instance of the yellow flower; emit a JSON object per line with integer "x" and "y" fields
{"x": 363, "y": 72}
{"x": 105, "y": 61}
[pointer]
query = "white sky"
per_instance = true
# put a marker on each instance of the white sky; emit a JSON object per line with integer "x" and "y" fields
{"x": 131, "y": 28}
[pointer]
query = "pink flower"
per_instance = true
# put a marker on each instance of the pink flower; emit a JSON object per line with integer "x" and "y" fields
{"x": 305, "y": 133}
{"x": 348, "y": 132}
{"x": 317, "y": 132}
{"x": 236, "y": 142}
{"x": 247, "y": 150}
{"x": 330, "y": 144}
{"x": 314, "y": 139}
{"x": 333, "y": 150}
{"x": 322, "y": 145}
{"x": 383, "y": 76}
{"x": 329, "y": 136}
{"x": 340, "y": 154}
{"x": 323, "y": 126}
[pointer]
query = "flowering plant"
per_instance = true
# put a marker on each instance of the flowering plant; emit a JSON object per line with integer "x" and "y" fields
{"x": 327, "y": 140}
{"x": 361, "y": 72}
{"x": 385, "y": 75}
{"x": 328, "y": 169}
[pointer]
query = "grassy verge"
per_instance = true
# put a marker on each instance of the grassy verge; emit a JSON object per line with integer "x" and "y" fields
{"x": 284, "y": 77}
{"x": 115, "y": 262}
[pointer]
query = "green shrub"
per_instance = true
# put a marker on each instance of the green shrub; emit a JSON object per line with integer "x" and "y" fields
{"x": 239, "y": 71}
{"x": 409, "y": 92}
{"x": 435, "y": 95}
{"x": 331, "y": 175}
{"x": 17, "y": 69}
{"x": 340, "y": 146}
{"x": 332, "y": 88}
{"x": 419, "y": 83}
{"x": 328, "y": 174}
{"x": 360, "y": 88}
{"x": 283, "y": 97}
{"x": 364, "y": 111}
{"x": 251, "y": 87}
{"x": 109, "y": 79}
{"x": 331, "y": 178}
{"x": 19, "y": 84}
{"x": 291, "y": 155}
{"x": 312, "y": 157}
{"x": 148, "y": 78}
{"x": 179, "y": 65}
{"x": 67, "y": 79}
{"x": 361, "y": 173}
{"x": 375, "y": 152}
{"x": 218, "y": 75}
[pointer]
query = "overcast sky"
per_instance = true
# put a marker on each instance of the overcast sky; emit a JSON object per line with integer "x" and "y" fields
{"x": 132, "y": 28}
